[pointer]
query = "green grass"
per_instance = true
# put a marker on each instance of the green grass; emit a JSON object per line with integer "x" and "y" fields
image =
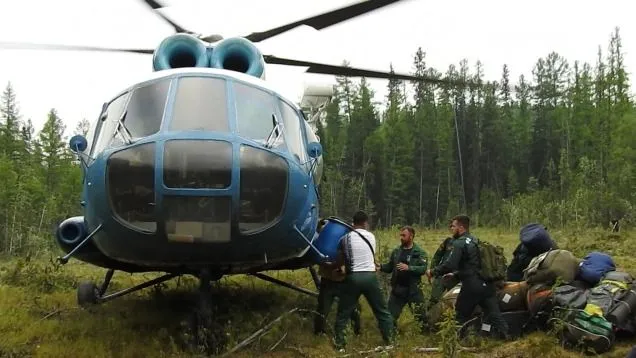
{"x": 39, "y": 316}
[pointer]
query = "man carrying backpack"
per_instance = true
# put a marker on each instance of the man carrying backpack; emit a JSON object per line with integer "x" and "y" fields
{"x": 464, "y": 263}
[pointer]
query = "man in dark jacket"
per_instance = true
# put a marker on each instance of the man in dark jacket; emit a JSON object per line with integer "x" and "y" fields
{"x": 407, "y": 264}
{"x": 440, "y": 286}
{"x": 464, "y": 264}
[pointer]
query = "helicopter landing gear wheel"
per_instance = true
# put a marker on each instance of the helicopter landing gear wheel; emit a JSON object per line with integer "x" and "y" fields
{"x": 87, "y": 294}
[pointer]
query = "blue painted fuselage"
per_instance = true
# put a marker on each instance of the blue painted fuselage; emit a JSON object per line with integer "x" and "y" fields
{"x": 181, "y": 176}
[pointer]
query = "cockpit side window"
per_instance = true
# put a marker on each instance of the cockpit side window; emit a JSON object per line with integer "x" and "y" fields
{"x": 145, "y": 110}
{"x": 317, "y": 168}
{"x": 200, "y": 104}
{"x": 311, "y": 135}
{"x": 293, "y": 131}
{"x": 108, "y": 122}
{"x": 255, "y": 114}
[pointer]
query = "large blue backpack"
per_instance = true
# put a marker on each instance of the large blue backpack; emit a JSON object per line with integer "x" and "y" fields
{"x": 536, "y": 239}
{"x": 594, "y": 266}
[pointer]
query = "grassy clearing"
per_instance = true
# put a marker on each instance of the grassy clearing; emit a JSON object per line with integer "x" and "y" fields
{"x": 39, "y": 316}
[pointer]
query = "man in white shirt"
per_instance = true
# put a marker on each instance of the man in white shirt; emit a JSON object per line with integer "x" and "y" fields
{"x": 331, "y": 280}
{"x": 358, "y": 249}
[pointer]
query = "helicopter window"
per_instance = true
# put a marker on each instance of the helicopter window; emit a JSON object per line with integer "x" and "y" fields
{"x": 197, "y": 164}
{"x": 109, "y": 121}
{"x": 145, "y": 109}
{"x": 317, "y": 167}
{"x": 293, "y": 133}
{"x": 131, "y": 186}
{"x": 263, "y": 188}
{"x": 198, "y": 219}
{"x": 200, "y": 104}
{"x": 255, "y": 114}
{"x": 92, "y": 134}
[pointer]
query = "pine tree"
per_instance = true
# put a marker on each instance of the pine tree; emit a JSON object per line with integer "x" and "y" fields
{"x": 9, "y": 120}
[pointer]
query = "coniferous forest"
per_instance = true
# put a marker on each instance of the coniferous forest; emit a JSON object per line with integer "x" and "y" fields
{"x": 556, "y": 148}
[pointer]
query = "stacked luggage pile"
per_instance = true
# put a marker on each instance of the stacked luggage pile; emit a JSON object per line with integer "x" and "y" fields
{"x": 587, "y": 301}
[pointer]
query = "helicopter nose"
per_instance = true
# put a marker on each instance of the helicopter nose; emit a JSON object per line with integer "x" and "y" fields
{"x": 208, "y": 189}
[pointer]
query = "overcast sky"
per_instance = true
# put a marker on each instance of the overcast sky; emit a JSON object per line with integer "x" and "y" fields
{"x": 493, "y": 31}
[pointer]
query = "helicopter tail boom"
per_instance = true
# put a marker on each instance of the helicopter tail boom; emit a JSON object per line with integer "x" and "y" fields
{"x": 184, "y": 50}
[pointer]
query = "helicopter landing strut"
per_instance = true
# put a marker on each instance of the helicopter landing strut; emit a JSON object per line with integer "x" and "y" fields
{"x": 88, "y": 293}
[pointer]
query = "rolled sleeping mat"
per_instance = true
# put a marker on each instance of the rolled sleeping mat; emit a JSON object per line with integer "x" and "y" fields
{"x": 623, "y": 308}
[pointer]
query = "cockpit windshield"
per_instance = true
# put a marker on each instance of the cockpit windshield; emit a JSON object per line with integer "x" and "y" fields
{"x": 132, "y": 115}
{"x": 107, "y": 123}
{"x": 200, "y": 104}
{"x": 255, "y": 114}
{"x": 266, "y": 119}
{"x": 145, "y": 109}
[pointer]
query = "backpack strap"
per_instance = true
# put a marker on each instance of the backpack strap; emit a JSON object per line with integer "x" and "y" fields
{"x": 367, "y": 241}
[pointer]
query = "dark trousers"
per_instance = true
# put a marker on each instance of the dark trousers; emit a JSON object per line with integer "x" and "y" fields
{"x": 415, "y": 301}
{"x": 366, "y": 284}
{"x": 477, "y": 292}
{"x": 329, "y": 291}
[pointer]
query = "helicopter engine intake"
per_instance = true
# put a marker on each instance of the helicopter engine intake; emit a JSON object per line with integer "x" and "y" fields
{"x": 71, "y": 231}
{"x": 240, "y": 55}
{"x": 181, "y": 50}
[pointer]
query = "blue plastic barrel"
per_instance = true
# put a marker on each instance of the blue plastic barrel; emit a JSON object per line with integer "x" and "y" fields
{"x": 329, "y": 238}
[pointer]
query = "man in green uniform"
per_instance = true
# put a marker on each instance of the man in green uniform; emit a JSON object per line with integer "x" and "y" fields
{"x": 330, "y": 285}
{"x": 440, "y": 286}
{"x": 407, "y": 264}
{"x": 463, "y": 263}
{"x": 358, "y": 255}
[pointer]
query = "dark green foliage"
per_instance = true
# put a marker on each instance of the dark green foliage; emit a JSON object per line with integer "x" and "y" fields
{"x": 556, "y": 149}
{"x": 39, "y": 184}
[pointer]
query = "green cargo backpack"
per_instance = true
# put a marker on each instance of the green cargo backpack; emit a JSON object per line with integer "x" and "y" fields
{"x": 493, "y": 261}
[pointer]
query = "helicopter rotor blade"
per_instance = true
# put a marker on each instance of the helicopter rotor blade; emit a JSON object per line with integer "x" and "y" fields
{"x": 36, "y": 46}
{"x": 325, "y": 69}
{"x": 154, "y": 5}
{"x": 324, "y": 20}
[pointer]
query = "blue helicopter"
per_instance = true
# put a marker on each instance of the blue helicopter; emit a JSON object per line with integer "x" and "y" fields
{"x": 203, "y": 168}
